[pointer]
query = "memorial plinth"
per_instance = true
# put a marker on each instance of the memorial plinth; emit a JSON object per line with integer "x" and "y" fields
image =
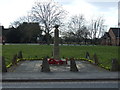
{"x": 56, "y": 43}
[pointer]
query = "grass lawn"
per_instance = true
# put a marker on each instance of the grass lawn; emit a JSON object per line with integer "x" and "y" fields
{"x": 104, "y": 53}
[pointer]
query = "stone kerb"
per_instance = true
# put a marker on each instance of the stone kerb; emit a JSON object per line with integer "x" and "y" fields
{"x": 4, "y": 69}
{"x": 45, "y": 65}
{"x": 73, "y": 66}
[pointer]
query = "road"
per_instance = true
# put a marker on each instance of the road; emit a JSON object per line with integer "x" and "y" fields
{"x": 82, "y": 84}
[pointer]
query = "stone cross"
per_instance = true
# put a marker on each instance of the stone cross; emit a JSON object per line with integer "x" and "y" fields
{"x": 56, "y": 43}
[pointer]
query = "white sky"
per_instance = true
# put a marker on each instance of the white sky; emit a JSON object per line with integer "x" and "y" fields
{"x": 11, "y": 10}
{"x": 119, "y": 13}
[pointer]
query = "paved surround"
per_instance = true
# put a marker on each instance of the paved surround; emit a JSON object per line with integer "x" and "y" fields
{"x": 35, "y": 66}
{"x": 31, "y": 70}
{"x": 28, "y": 76}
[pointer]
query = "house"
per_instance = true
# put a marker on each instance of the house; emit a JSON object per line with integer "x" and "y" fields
{"x": 0, "y": 34}
{"x": 112, "y": 37}
{"x": 3, "y": 31}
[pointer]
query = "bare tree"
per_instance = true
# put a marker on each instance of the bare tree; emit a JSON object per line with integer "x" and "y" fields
{"x": 97, "y": 28}
{"x": 48, "y": 14}
{"x": 20, "y": 20}
{"x": 15, "y": 24}
{"x": 77, "y": 27}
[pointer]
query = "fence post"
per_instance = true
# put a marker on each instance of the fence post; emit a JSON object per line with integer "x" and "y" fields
{"x": 4, "y": 69}
{"x": 14, "y": 60}
{"x": 114, "y": 65}
{"x": 73, "y": 66}
{"x": 45, "y": 65}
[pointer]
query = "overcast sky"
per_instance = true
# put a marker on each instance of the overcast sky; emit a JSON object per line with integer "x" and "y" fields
{"x": 11, "y": 10}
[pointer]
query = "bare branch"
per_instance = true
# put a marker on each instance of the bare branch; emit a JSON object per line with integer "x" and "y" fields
{"x": 48, "y": 14}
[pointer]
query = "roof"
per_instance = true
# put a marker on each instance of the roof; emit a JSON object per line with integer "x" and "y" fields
{"x": 106, "y": 35}
{"x": 116, "y": 31}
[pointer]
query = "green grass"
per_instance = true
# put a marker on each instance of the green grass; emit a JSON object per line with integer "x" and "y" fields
{"x": 29, "y": 51}
{"x": 104, "y": 53}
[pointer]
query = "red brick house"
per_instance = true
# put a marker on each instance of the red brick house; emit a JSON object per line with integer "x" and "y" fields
{"x": 112, "y": 37}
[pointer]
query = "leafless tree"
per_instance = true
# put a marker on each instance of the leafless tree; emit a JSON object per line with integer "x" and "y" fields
{"x": 15, "y": 24}
{"x": 97, "y": 28}
{"x": 48, "y": 14}
{"x": 78, "y": 28}
{"x": 76, "y": 23}
{"x": 22, "y": 19}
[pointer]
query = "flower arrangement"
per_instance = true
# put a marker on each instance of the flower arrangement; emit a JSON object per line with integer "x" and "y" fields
{"x": 9, "y": 65}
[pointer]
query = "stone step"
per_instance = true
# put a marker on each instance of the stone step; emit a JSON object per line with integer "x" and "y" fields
{"x": 75, "y": 76}
{"x": 56, "y": 85}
